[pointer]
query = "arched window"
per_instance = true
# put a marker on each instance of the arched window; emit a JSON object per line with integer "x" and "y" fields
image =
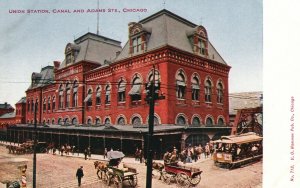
{"x": 180, "y": 85}
{"x": 107, "y": 94}
{"x": 60, "y": 97}
{"x": 49, "y": 103}
{"x": 209, "y": 121}
{"x": 208, "y": 86}
{"x": 136, "y": 121}
{"x": 107, "y": 121}
{"x": 28, "y": 106}
{"x": 66, "y": 121}
{"x": 180, "y": 120}
{"x": 88, "y": 99}
{"x": 220, "y": 93}
{"x": 221, "y": 121}
{"x": 68, "y": 95}
{"x": 97, "y": 122}
{"x": 121, "y": 91}
{"x": 196, "y": 121}
{"x": 74, "y": 121}
{"x": 48, "y": 121}
{"x": 37, "y": 105}
{"x": 59, "y": 121}
{"x": 32, "y": 106}
{"x": 53, "y": 104}
{"x": 89, "y": 121}
{"x": 156, "y": 84}
{"x": 195, "y": 88}
{"x": 75, "y": 93}
{"x": 98, "y": 96}
{"x": 53, "y": 121}
{"x": 44, "y": 105}
{"x": 156, "y": 121}
{"x": 121, "y": 121}
{"x": 135, "y": 91}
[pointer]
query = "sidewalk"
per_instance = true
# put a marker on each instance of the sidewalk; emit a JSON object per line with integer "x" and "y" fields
{"x": 100, "y": 157}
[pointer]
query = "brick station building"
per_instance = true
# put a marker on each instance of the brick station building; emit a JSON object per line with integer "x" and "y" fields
{"x": 96, "y": 95}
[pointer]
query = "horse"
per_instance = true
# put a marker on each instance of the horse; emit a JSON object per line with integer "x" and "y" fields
{"x": 101, "y": 166}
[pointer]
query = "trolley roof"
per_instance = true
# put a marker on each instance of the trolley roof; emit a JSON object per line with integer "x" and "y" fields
{"x": 239, "y": 139}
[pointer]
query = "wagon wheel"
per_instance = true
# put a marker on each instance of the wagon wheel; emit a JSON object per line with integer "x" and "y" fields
{"x": 196, "y": 179}
{"x": 133, "y": 181}
{"x": 117, "y": 180}
{"x": 182, "y": 180}
{"x": 166, "y": 177}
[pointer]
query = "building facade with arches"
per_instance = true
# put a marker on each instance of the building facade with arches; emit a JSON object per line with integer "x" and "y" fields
{"x": 101, "y": 83}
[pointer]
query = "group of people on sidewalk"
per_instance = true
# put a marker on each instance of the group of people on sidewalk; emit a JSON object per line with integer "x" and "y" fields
{"x": 189, "y": 154}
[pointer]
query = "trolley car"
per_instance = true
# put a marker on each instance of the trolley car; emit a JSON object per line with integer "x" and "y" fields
{"x": 236, "y": 150}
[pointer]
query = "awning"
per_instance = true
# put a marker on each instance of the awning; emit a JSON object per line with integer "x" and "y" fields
{"x": 122, "y": 87}
{"x": 135, "y": 90}
{"x": 195, "y": 86}
{"x": 88, "y": 98}
{"x": 180, "y": 83}
{"x": 75, "y": 89}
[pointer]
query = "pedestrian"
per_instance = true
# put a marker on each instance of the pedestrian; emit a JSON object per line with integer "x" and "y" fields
{"x": 141, "y": 156}
{"x": 79, "y": 175}
{"x": 207, "y": 150}
{"x": 85, "y": 154}
{"x": 105, "y": 153}
{"x": 62, "y": 150}
{"x": 89, "y": 152}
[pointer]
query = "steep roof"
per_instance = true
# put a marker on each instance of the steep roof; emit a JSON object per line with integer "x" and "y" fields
{"x": 8, "y": 115}
{"x": 5, "y": 106}
{"x": 244, "y": 100}
{"x": 94, "y": 48}
{"x": 170, "y": 29}
{"x": 45, "y": 77}
{"x": 22, "y": 100}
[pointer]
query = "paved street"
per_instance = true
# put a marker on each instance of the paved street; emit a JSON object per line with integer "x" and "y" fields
{"x": 54, "y": 171}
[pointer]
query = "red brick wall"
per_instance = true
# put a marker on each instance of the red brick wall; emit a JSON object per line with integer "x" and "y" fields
{"x": 167, "y": 60}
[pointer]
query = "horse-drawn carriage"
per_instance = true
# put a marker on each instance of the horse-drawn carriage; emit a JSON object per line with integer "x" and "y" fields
{"x": 27, "y": 147}
{"x": 112, "y": 174}
{"x": 184, "y": 176}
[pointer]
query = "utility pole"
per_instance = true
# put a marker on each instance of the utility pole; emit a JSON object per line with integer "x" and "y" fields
{"x": 150, "y": 132}
{"x": 151, "y": 100}
{"x": 34, "y": 148}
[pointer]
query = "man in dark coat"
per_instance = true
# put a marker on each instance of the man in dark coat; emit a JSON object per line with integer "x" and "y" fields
{"x": 79, "y": 175}
{"x": 85, "y": 154}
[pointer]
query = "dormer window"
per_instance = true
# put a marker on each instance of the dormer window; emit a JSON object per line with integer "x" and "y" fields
{"x": 138, "y": 35}
{"x": 137, "y": 44}
{"x": 201, "y": 45}
{"x": 69, "y": 58}
{"x": 199, "y": 40}
{"x": 71, "y": 53}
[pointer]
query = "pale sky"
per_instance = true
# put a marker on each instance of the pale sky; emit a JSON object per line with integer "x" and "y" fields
{"x": 32, "y": 41}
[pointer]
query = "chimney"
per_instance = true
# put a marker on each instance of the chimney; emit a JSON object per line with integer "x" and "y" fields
{"x": 5, "y": 105}
{"x": 56, "y": 64}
